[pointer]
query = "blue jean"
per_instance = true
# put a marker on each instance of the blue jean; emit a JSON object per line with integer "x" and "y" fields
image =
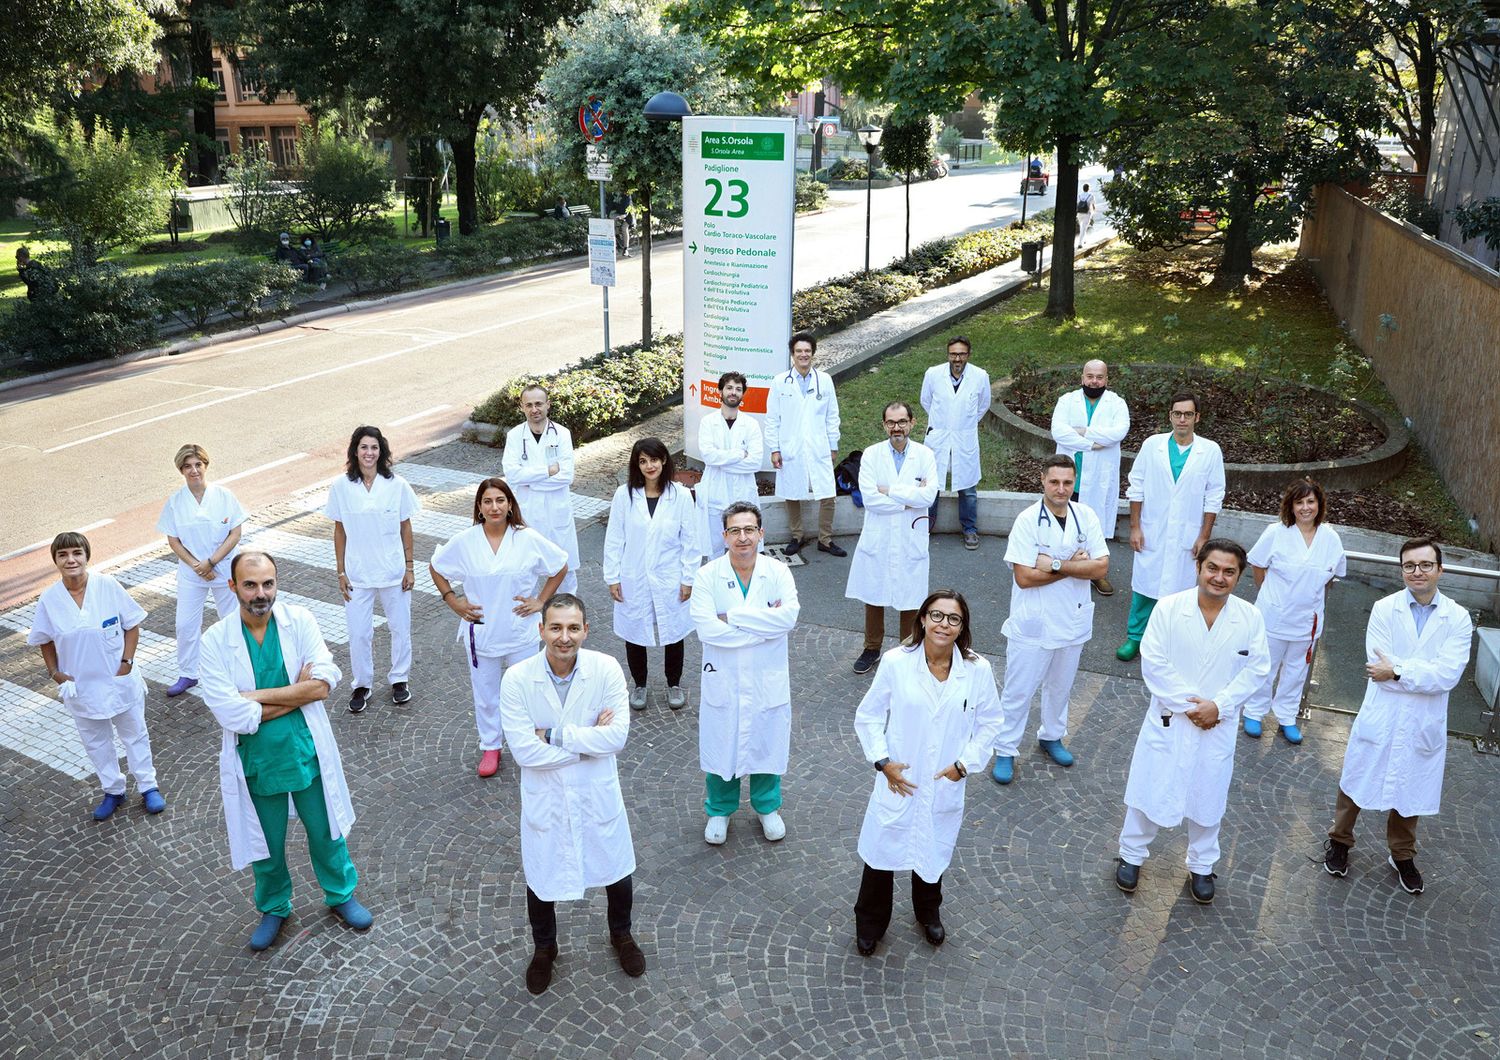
{"x": 968, "y": 511}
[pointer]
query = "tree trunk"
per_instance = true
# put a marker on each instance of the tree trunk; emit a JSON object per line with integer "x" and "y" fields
{"x": 1064, "y": 232}
{"x": 463, "y": 180}
{"x": 1426, "y": 69}
{"x": 645, "y": 266}
{"x": 205, "y": 167}
{"x": 908, "y": 215}
{"x": 1239, "y": 247}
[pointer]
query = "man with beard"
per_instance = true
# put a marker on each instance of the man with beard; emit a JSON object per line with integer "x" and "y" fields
{"x": 956, "y": 398}
{"x": 278, "y": 746}
{"x": 731, "y": 447}
{"x": 1088, "y": 424}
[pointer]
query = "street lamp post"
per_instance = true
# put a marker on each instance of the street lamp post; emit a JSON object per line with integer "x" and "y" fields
{"x": 869, "y": 138}
{"x": 662, "y": 107}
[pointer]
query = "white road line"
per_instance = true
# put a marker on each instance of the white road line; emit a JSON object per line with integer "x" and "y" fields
{"x": 438, "y": 478}
{"x": 419, "y": 415}
{"x": 155, "y": 404}
{"x": 94, "y": 526}
{"x": 47, "y": 540}
{"x": 126, "y": 557}
{"x": 263, "y": 467}
{"x": 41, "y": 728}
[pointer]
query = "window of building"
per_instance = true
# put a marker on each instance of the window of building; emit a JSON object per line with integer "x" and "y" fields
{"x": 284, "y": 145}
{"x": 252, "y": 137}
{"x": 221, "y": 92}
{"x": 252, "y": 83}
{"x": 221, "y": 142}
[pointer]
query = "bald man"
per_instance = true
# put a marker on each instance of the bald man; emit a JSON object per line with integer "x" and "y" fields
{"x": 1089, "y": 424}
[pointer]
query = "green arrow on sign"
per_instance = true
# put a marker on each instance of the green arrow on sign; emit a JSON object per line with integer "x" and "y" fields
{"x": 693, "y": 247}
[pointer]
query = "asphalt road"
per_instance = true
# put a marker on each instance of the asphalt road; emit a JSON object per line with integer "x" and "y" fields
{"x": 274, "y": 411}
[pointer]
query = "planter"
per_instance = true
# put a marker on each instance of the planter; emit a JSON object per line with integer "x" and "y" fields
{"x": 1377, "y": 465}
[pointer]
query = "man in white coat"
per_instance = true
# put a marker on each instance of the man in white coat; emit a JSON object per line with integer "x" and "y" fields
{"x": 1416, "y": 648}
{"x": 1089, "y": 424}
{"x": 744, "y": 604}
{"x": 1204, "y": 654}
{"x": 565, "y": 718}
{"x": 1054, "y": 550}
{"x": 1176, "y": 491}
{"x": 731, "y": 447}
{"x": 956, "y": 397}
{"x": 538, "y": 465}
{"x": 266, "y": 673}
{"x": 802, "y": 432}
{"x": 899, "y": 483}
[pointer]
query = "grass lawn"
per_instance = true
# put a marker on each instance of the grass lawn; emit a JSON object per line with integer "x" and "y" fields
{"x": 1147, "y": 307}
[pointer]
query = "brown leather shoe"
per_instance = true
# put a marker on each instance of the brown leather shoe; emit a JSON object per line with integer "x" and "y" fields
{"x": 539, "y": 971}
{"x": 1103, "y": 588}
{"x": 632, "y": 960}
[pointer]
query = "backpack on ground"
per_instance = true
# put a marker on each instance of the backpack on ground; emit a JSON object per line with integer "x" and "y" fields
{"x": 846, "y": 477}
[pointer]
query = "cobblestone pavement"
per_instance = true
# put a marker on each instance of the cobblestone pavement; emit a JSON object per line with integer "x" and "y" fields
{"x": 127, "y": 937}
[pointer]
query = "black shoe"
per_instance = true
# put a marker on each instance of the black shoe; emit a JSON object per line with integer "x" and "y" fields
{"x": 866, "y": 947}
{"x": 934, "y": 932}
{"x": 866, "y": 661}
{"x": 358, "y": 700}
{"x": 1336, "y": 858}
{"x": 1406, "y": 871}
{"x": 632, "y": 960}
{"x": 400, "y": 693}
{"x": 1202, "y": 886}
{"x": 792, "y": 547}
{"x": 832, "y": 548}
{"x": 539, "y": 971}
{"x": 1127, "y": 876}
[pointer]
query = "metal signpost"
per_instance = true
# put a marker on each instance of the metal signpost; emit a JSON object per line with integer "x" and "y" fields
{"x": 593, "y": 122}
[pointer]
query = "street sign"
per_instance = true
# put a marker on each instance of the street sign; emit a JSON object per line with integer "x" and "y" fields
{"x": 601, "y": 252}
{"x": 830, "y": 128}
{"x": 600, "y": 171}
{"x": 593, "y": 120}
{"x": 738, "y": 207}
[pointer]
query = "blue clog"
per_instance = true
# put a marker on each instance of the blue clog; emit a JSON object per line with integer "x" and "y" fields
{"x": 266, "y": 931}
{"x": 108, "y": 805}
{"x": 353, "y": 914}
{"x": 1252, "y": 728}
{"x": 1005, "y": 769}
{"x": 1056, "y": 751}
{"x": 154, "y": 801}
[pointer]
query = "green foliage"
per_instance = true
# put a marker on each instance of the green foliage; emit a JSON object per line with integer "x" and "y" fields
{"x": 812, "y": 194}
{"x": 118, "y": 191}
{"x": 953, "y": 258}
{"x": 259, "y": 204}
{"x": 1480, "y": 219}
{"x": 1397, "y": 198}
{"x": 97, "y": 310}
{"x": 194, "y": 291}
{"x": 344, "y": 190}
{"x": 949, "y": 140}
{"x": 512, "y": 243}
{"x": 854, "y": 170}
{"x": 49, "y": 47}
{"x": 908, "y": 144}
{"x": 379, "y": 266}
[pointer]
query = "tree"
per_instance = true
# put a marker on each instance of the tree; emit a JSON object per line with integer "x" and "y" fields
{"x": 344, "y": 189}
{"x": 907, "y": 145}
{"x": 434, "y": 67}
{"x": 49, "y": 47}
{"x": 623, "y": 54}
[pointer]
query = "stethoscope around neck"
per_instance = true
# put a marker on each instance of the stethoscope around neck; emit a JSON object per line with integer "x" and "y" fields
{"x": 791, "y": 377}
{"x": 1044, "y": 518}
{"x": 552, "y": 427}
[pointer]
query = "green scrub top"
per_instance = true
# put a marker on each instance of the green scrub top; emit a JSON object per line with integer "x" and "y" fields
{"x": 1177, "y": 457}
{"x": 1089, "y": 407}
{"x": 280, "y": 756}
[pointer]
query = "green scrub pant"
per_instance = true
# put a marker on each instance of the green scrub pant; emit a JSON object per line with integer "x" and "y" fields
{"x": 330, "y": 857}
{"x": 1140, "y": 613}
{"x": 724, "y": 795}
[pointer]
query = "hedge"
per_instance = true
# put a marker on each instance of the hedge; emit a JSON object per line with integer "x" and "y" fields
{"x": 95, "y": 311}
{"x": 196, "y": 291}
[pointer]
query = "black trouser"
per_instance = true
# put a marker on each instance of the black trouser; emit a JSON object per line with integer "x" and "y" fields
{"x": 872, "y": 910}
{"x": 635, "y": 658}
{"x": 543, "y": 915}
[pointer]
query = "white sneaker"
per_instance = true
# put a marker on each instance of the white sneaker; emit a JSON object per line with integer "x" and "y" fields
{"x": 773, "y": 826}
{"x": 638, "y": 698}
{"x": 717, "y": 831}
{"x": 676, "y": 698}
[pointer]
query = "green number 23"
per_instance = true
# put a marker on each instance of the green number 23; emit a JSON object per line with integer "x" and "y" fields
{"x": 739, "y": 193}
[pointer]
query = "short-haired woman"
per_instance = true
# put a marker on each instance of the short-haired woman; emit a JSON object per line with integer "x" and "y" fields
{"x": 928, "y": 720}
{"x": 1293, "y": 564}
{"x": 371, "y": 507}
{"x": 651, "y": 551}
{"x": 87, "y": 627}
{"x": 499, "y": 560}
{"x": 202, "y": 524}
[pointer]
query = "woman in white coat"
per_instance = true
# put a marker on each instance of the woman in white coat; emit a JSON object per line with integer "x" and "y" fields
{"x": 929, "y": 719}
{"x": 1294, "y": 562}
{"x": 372, "y": 507}
{"x": 202, "y": 524}
{"x": 87, "y": 627}
{"x": 499, "y": 560}
{"x": 651, "y": 550}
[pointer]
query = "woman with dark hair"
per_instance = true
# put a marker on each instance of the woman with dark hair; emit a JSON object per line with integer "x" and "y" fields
{"x": 372, "y": 507}
{"x": 499, "y": 560}
{"x": 87, "y": 627}
{"x": 1293, "y": 564}
{"x": 928, "y": 720}
{"x": 651, "y": 551}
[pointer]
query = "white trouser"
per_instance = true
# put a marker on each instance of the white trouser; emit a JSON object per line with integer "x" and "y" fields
{"x": 192, "y": 591}
{"x": 359, "y": 614}
{"x": 484, "y": 679}
{"x": 1139, "y": 830}
{"x": 1028, "y": 668}
{"x": 569, "y": 582}
{"x": 1289, "y": 659}
{"x": 98, "y": 735}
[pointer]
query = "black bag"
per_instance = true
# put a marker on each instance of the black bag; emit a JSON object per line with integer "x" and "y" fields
{"x": 846, "y": 477}
{"x": 1083, "y": 204}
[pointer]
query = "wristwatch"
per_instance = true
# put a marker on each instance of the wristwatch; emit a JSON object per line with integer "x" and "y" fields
{"x": 880, "y": 765}
{"x": 1056, "y": 564}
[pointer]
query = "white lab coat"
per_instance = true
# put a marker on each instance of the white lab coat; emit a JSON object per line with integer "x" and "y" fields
{"x": 731, "y": 457}
{"x": 805, "y": 430}
{"x": 953, "y": 418}
{"x": 1296, "y": 583}
{"x": 651, "y": 557}
{"x": 493, "y": 580}
{"x": 574, "y": 831}
{"x": 1180, "y": 770}
{"x": 1099, "y": 482}
{"x": 745, "y": 702}
{"x": 90, "y": 643}
{"x": 202, "y": 526}
{"x": 1060, "y": 614}
{"x": 546, "y": 500}
{"x": 1399, "y": 743}
{"x": 909, "y": 716}
{"x": 1172, "y": 513}
{"x": 890, "y": 563}
{"x": 372, "y": 518}
{"x": 227, "y": 672}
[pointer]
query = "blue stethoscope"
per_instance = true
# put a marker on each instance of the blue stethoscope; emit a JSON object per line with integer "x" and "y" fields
{"x": 1044, "y": 518}
{"x": 552, "y": 427}
{"x": 791, "y": 377}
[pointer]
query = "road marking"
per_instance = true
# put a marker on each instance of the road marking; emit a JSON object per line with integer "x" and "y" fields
{"x": 263, "y": 467}
{"x": 41, "y": 728}
{"x": 154, "y": 405}
{"x": 419, "y": 415}
{"x": 47, "y": 540}
{"x": 438, "y": 478}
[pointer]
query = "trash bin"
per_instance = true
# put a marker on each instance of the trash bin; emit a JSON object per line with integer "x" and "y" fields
{"x": 1031, "y": 255}
{"x": 444, "y": 229}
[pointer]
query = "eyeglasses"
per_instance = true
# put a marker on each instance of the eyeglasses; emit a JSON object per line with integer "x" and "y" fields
{"x": 1427, "y": 566}
{"x": 942, "y": 618}
{"x": 897, "y": 423}
{"x": 742, "y": 531}
{"x": 1182, "y": 414}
